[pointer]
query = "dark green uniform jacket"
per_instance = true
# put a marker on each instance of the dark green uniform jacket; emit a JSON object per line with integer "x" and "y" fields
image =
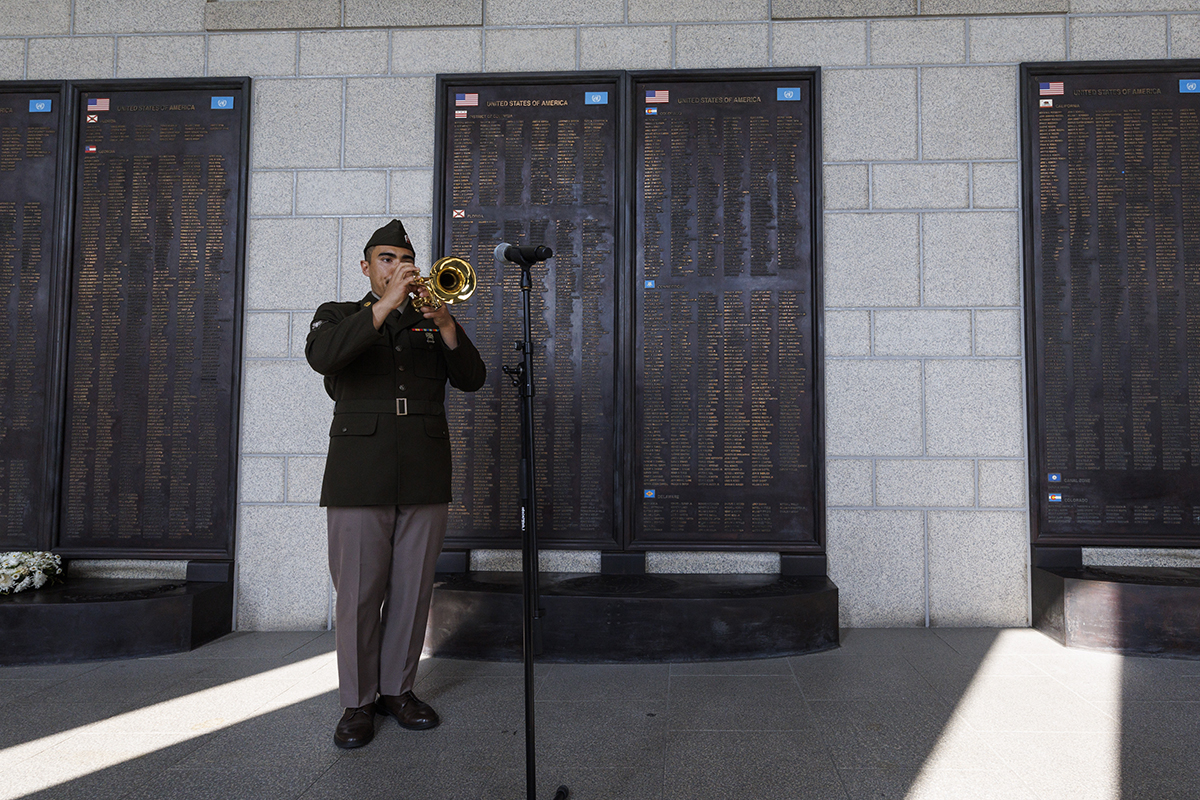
{"x": 376, "y": 455}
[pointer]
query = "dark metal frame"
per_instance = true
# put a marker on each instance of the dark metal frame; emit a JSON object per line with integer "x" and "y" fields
{"x": 1030, "y": 73}
{"x": 47, "y": 509}
{"x": 445, "y": 83}
{"x": 624, "y": 254}
{"x": 73, "y": 92}
{"x": 816, "y": 290}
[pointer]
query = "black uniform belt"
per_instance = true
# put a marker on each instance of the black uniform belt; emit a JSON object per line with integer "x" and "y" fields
{"x": 400, "y": 406}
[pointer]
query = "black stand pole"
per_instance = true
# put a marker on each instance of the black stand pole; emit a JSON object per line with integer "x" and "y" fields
{"x": 522, "y": 378}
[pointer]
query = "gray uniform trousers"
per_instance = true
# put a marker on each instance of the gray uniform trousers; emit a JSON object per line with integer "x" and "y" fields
{"x": 382, "y": 559}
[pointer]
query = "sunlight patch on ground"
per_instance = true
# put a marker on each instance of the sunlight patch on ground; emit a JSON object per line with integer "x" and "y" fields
{"x": 62, "y": 757}
{"x": 1034, "y": 720}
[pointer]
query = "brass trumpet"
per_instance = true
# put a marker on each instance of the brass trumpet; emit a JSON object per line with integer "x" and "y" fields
{"x": 451, "y": 280}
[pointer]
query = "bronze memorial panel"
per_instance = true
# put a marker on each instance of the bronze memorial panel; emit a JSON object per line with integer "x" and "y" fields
{"x": 1112, "y": 254}
{"x": 724, "y": 418}
{"x": 30, "y": 136}
{"x": 149, "y": 460}
{"x": 533, "y": 161}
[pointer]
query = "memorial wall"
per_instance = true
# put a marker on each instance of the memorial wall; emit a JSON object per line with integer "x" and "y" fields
{"x": 139, "y": 411}
{"x": 1113, "y": 280}
{"x": 674, "y": 362}
{"x": 31, "y": 120}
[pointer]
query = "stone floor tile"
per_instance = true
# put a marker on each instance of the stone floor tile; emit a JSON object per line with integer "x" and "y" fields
{"x": 727, "y": 765}
{"x": 581, "y": 683}
{"x": 860, "y": 678}
{"x": 737, "y": 703}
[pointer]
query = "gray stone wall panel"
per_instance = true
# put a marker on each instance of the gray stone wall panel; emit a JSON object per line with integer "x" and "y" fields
{"x": 1116, "y": 38}
{"x": 44, "y": 18}
{"x": 924, "y": 482}
{"x": 869, "y": 114}
{"x": 873, "y": 408}
{"x": 160, "y": 56}
{"x": 344, "y": 53}
{"x": 411, "y": 193}
{"x": 998, "y": 333}
{"x": 876, "y": 558}
{"x": 290, "y": 263}
{"x": 968, "y": 112}
{"x": 247, "y": 15}
{"x": 697, "y": 11}
{"x": 845, "y": 186}
{"x": 530, "y": 50}
{"x": 377, "y": 136}
{"x": 297, "y": 123}
{"x": 625, "y": 47}
{"x": 267, "y": 334}
{"x": 940, "y": 7}
{"x": 255, "y": 54}
{"x": 341, "y": 192}
{"x": 818, "y": 9}
{"x": 144, "y": 16}
{"x": 996, "y": 185}
{"x": 12, "y": 59}
{"x": 271, "y": 193}
{"x": 1015, "y": 39}
{"x": 411, "y": 13}
{"x": 721, "y": 46}
{"x": 828, "y": 44}
{"x": 849, "y": 482}
{"x": 847, "y": 333}
{"x": 1185, "y": 36}
{"x": 563, "y": 12}
{"x": 300, "y": 599}
{"x": 1118, "y": 6}
{"x": 304, "y": 476}
{"x": 1003, "y": 484}
{"x": 972, "y": 258}
{"x": 428, "y": 52}
{"x": 978, "y": 568}
{"x": 82, "y": 58}
{"x": 260, "y": 479}
{"x": 908, "y": 186}
{"x": 871, "y": 260}
{"x": 918, "y": 41}
{"x": 285, "y": 408}
{"x": 923, "y": 333}
{"x": 974, "y": 408}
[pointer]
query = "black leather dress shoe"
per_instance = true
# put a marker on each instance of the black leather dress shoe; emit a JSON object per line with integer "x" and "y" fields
{"x": 410, "y": 712}
{"x": 356, "y": 727}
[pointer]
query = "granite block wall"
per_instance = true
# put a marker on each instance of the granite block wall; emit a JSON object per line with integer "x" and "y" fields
{"x": 927, "y": 519}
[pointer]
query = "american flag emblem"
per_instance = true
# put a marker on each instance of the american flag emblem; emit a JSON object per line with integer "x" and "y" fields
{"x": 98, "y": 104}
{"x": 462, "y": 114}
{"x": 1053, "y": 87}
{"x": 469, "y": 99}
{"x": 459, "y": 213}
{"x": 658, "y": 96}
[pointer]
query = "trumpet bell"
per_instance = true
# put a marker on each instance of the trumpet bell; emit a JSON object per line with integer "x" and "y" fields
{"x": 451, "y": 280}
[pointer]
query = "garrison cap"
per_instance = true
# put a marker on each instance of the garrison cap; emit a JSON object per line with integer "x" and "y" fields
{"x": 392, "y": 233}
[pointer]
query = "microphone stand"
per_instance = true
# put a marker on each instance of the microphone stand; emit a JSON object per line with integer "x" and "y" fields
{"x": 522, "y": 378}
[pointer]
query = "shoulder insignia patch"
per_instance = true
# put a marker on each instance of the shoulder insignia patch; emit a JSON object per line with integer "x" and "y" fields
{"x": 316, "y": 323}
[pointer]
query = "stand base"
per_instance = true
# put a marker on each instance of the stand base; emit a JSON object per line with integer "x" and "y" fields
{"x": 94, "y": 618}
{"x": 1147, "y": 611}
{"x": 635, "y": 618}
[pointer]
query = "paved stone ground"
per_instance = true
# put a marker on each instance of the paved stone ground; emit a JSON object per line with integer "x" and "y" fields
{"x": 913, "y": 713}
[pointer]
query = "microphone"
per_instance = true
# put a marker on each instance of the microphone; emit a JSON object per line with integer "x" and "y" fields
{"x": 526, "y": 255}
